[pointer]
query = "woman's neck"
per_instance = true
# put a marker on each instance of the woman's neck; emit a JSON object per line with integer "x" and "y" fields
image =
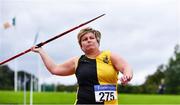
{"x": 93, "y": 54}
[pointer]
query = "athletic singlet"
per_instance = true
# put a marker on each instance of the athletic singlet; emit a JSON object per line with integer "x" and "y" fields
{"x": 97, "y": 80}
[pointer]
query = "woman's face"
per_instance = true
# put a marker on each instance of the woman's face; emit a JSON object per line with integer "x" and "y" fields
{"x": 89, "y": 42}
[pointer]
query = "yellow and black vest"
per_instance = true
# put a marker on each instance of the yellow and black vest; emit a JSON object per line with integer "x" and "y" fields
{"x": 90, "y": 72}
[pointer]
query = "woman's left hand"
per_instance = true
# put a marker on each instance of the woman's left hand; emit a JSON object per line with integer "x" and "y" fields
{"x": 125, "y": 79}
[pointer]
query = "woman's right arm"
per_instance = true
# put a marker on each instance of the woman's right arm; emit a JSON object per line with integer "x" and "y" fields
{"x": 64, "y": 69}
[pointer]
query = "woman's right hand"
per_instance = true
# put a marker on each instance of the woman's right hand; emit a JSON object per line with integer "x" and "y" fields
{"x": 36, "y": 49}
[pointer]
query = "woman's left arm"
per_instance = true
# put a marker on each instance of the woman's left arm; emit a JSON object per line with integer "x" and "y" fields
{"x": 121, "y": 65}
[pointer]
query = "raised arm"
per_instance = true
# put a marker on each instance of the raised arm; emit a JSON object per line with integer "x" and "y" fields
{"x": 64, "y": 69}
{"x": 121, "y": 65}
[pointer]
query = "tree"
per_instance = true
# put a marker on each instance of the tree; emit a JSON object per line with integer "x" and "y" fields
{"x": 153, "y": 81}
{"x": 6, "y": 78}
{"x": 169, "y": 73}
{"x": 172, "y": 73}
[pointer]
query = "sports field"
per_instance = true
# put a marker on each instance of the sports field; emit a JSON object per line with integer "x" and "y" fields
{"x": 10, "y": 97}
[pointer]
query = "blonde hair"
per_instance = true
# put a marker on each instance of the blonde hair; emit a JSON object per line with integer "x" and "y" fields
{"x": 84, "y": 31}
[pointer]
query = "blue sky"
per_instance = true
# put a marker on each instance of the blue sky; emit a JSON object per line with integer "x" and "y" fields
{"x": 143, "y": 32}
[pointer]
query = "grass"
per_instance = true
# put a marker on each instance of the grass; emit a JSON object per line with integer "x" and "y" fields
{"x": 10, "y": 97}
{"x": 149, "y": 99}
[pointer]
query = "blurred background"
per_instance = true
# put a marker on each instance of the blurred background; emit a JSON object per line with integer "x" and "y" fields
{"x": 146, "y": 33}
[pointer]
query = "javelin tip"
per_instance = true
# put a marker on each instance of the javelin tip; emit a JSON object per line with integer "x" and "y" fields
{"x": 102, "y": 14}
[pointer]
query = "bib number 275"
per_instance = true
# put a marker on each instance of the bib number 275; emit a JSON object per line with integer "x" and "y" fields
{"x": 106, "y": 96}
{"x": 105, "y": 93}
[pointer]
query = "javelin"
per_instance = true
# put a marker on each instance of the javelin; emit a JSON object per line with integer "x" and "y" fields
{"x": 49, "y": 40}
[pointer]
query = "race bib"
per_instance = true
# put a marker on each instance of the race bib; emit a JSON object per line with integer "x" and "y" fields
{"x": 105, "y": 92}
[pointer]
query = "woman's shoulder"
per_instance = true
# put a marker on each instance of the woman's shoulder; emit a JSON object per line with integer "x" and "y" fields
{"x": 75, "y": 59}
{"x": 106, "y": 52}
{"x": 110, "y": 52}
